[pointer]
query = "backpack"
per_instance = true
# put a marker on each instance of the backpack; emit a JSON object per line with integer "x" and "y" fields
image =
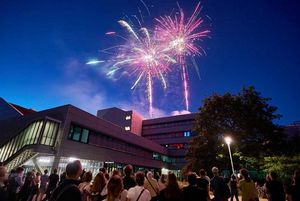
{"x": 57, "y": 197}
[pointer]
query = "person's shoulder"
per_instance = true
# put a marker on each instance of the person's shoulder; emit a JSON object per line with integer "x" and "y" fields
{"x": 132, "y": 189}
{"x": 147, "y": 191}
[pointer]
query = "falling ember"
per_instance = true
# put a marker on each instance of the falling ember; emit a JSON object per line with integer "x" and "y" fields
{"x": 180, "y": 36}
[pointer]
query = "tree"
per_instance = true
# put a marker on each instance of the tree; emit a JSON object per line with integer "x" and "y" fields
{"x": 283, "y": 165}
{"x": 247, "y": 117}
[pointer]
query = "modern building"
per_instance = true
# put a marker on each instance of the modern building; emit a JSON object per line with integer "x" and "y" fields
{"x": 53, "y": 137}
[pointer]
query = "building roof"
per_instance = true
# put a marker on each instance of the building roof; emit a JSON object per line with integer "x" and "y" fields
{"x": 22, "y": 110}
{"x": 176, "y": 118}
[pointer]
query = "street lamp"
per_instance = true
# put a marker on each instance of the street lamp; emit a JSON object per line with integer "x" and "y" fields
{"x": 228, "y": 140}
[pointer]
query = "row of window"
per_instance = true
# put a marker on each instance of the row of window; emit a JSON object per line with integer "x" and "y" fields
{"x": 169, "y": 135}
{"x": 170, "y": 124}
{"x": 167, "y": 159}
{"x": 176, "y": 146}
{"x": 84, "y": 135}
{"x": 30, "y": 135}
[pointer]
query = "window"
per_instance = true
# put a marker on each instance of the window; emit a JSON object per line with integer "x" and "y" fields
{"x": 79, "y": 134}
{"x": 128, "y": 117}
{"x": 76, "y": 134}
{"x": 85, "y": 136}
{"x": 127, "y": 128}
{"x": 187, "y": 133}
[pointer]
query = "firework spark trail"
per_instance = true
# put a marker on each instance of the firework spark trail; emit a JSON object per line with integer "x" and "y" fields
{"x": 150, "y": 97}
{"x": 142, "y": 56}
{"x": 185, "y": 86}
{"x": 180, "y": 37}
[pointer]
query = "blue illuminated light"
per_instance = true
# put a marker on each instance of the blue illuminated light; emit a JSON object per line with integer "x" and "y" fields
{"x": 187, "y": 133}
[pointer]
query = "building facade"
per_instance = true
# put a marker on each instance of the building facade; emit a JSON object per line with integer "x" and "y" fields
{"x": 53, "y": 137}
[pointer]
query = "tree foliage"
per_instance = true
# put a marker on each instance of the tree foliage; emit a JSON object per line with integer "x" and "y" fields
{"x": 247, "y": 117}
{"x": 283, "y": 165}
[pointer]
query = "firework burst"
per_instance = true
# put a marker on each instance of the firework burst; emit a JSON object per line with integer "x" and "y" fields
{"x": 180, "y": 36}
{"x": 143, "y": 58}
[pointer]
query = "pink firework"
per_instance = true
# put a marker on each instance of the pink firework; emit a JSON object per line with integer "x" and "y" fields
{"x": 180, "y": 37}
{"x": 143, "y": 58}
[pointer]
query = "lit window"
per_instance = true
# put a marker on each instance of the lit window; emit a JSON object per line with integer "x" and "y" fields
{"x": 187, "y": 134}
{"x": 128, "y": 117}
{"x": 127, "y": 128}
{"x": 78, "y": 134}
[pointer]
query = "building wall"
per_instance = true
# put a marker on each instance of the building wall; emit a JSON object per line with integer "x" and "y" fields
{"x": 108, "y": 142}
{"x": 173, "y": 133}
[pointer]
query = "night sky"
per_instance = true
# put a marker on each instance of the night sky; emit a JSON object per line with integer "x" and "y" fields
{"x": 44, "y": 46}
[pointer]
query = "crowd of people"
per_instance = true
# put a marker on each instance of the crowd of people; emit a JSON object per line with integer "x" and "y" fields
{"x": 75, "y": 184}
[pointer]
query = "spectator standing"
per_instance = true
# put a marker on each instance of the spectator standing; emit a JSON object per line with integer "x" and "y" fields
{"x": 3, "y": 187}
{"x": 28, "y": 187}
{"x": 37, "y": 180}
{"x": 139, "y": 193}
{"x": 218, "y": 186}
{"x": 53, "y": 181}
{"x": 233, "y": 188}
{"x": 128, "y": 179}
{"x": 172, "y": 192}
{"x": 247, "y": 187}
{"x": 115, "y": 188}
{"x": 15, "y": 183}
{"x": 98, "y": 187}
{"x": 192, "y": 192}
{"x": 43, "y": 185}
{"x": 293, "y": 193}
{"x": 152, "y": 186}
{"x": 68, "y": 189}
{"x": 162, "y": 182}
{"x": 85, "y": 186}
{"x": 274, "y": 188}
{"x": 203, "y": 181}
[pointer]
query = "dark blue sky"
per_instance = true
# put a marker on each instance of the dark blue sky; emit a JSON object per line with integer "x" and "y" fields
{"x": 44, "y": 46}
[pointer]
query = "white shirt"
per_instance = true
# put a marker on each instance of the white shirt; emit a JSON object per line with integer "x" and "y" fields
{"x": 133, "y": 194}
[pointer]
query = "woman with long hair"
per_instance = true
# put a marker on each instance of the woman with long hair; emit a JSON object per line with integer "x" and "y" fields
{"x": 114, "y": 188}
{"x": 98, "y": 186}
{"x": 247, "y": 187}
{"x": 172, "y": 192}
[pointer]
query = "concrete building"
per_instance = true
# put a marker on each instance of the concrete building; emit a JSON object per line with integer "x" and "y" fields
{"x": 113, "y": 138}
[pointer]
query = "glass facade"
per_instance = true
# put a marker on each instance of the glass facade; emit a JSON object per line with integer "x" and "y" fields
{"x": 87, "y": 165}
{"x": 29, "y": 136}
